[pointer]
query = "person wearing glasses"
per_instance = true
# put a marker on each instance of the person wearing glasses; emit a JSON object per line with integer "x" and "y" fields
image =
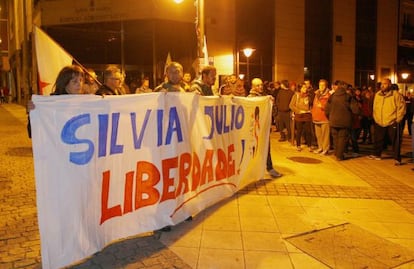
{"x": 113, "y": 79}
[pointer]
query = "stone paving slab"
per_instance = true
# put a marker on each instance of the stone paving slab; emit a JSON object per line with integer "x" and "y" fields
{"x": 349, "y": 246}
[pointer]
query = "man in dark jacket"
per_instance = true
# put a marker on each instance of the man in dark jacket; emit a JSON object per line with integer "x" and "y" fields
{"x": 113, "y": 79}
{"x": 283, "y": 111}
{"x": 203, "y": 86}
{"x": 339, "y": 111}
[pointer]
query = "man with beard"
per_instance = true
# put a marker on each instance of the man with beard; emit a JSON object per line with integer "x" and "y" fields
{"x": 174, "y": 75}
{"x": 203, "y": 86}
{"x": 388, "y": 112}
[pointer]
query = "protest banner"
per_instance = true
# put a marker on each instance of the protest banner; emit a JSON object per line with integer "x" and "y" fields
{"x": 108, "y": 168}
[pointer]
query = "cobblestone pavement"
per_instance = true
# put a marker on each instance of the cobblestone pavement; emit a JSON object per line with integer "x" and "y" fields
{"x": 19, "y": 234}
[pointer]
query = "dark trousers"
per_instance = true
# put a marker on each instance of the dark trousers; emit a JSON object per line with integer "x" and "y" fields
{"x": 366, "y": 129}
{"x": 269, "y": 163}
{"x": 340, "y": 140}
{"x": 355, "y": 133}
{"x": 303, "y": 127}
{"x": 409, "y": 119}
{"x": 394, "y": 134}
{"x": 284, "y": 122}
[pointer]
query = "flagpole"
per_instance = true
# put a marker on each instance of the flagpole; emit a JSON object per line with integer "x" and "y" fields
{"x": 200, "y": 29}
{"x": 122, "y": 48}
{"x": 200, "y": 13}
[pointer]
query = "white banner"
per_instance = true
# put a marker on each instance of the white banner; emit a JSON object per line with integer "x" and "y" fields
{"x": 108, "y": 168}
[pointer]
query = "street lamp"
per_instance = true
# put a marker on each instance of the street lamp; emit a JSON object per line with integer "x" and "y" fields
{"x": 248, "y": 52}
{"x": 404, "y": 76}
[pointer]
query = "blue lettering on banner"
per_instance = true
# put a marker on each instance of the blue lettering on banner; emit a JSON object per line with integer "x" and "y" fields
{"x": 68, "y": 135}
{"x": 115, "y": 149}
{"x": 219, "y": 121}
{"x": 174, "y": 125}
{"x": 138, "y": 141}
{"x": 103, "y": 134}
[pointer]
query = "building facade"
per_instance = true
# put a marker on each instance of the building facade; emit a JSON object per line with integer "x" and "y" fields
{"x": 359, "y": 41}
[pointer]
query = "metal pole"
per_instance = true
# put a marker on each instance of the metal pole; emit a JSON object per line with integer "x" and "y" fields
{"x": 201, "y": 27}
{"x": 154, "y": 56}
{"x": 122, "y": 48}
{"x": 238, "y": 63}
{"x": 25, "y": 61}
{"x": 200, "y": 33}
{"x": 247, "y": 71}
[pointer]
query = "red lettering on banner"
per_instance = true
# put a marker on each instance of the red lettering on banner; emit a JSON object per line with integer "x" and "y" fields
{"x": 148, "y": 176}
{"x": 168, "y": 188}
{"x": 146, "y": 187}
{"x": 221, "y": 167}
{"x": 184, "y": 172}
{"x": 207, "y": 169}
{"x": 129, "y": 182}
{"x": 196, "y": 173}
{"x": 231, "y": 168}
{"x": 107, "y": 213}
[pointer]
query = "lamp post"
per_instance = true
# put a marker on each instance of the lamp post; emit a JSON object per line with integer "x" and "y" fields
{"x": 248, "y": 52}
{"x": 404, "y": 76}
{"x": 372, "y": 79}
{"x": 200, "y": 30}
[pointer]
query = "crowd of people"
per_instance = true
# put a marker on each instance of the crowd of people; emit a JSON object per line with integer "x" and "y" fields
{"x": 327, "y": 120}
{"x": 337, "y": 120}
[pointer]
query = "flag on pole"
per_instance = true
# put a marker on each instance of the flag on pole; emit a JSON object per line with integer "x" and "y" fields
{"x": 205, "y": 52}
{"x": 51, "y": 58}
{"x": 167, "y": 62}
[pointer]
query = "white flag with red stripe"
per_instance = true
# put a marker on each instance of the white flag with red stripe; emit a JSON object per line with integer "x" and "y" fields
{"x": 51, "y": 58}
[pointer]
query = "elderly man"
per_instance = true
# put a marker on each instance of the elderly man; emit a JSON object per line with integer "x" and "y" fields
{"x": 204, "y": 85}
{"x": 113, "y": 79}
{"x": 388, "y": 112}
{"x": 257, "y": 90}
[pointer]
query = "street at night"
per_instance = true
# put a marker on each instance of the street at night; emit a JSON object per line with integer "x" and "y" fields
{"x": 248, "y": 230}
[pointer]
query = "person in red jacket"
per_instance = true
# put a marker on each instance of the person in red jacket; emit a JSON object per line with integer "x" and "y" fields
{"x": 319, "y": 118}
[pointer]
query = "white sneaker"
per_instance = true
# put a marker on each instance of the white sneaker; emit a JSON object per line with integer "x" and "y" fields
{"x": 273, "y": 173}
{"x": 325, "y": 152}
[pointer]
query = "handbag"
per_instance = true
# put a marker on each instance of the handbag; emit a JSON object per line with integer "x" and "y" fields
{"x": 303, "y": 117}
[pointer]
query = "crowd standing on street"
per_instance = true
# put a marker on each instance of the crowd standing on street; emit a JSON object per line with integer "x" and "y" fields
{"x": 328, "y": 120}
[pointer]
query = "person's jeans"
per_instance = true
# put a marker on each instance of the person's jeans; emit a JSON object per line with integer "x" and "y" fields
{"x": 340, "y": 139}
